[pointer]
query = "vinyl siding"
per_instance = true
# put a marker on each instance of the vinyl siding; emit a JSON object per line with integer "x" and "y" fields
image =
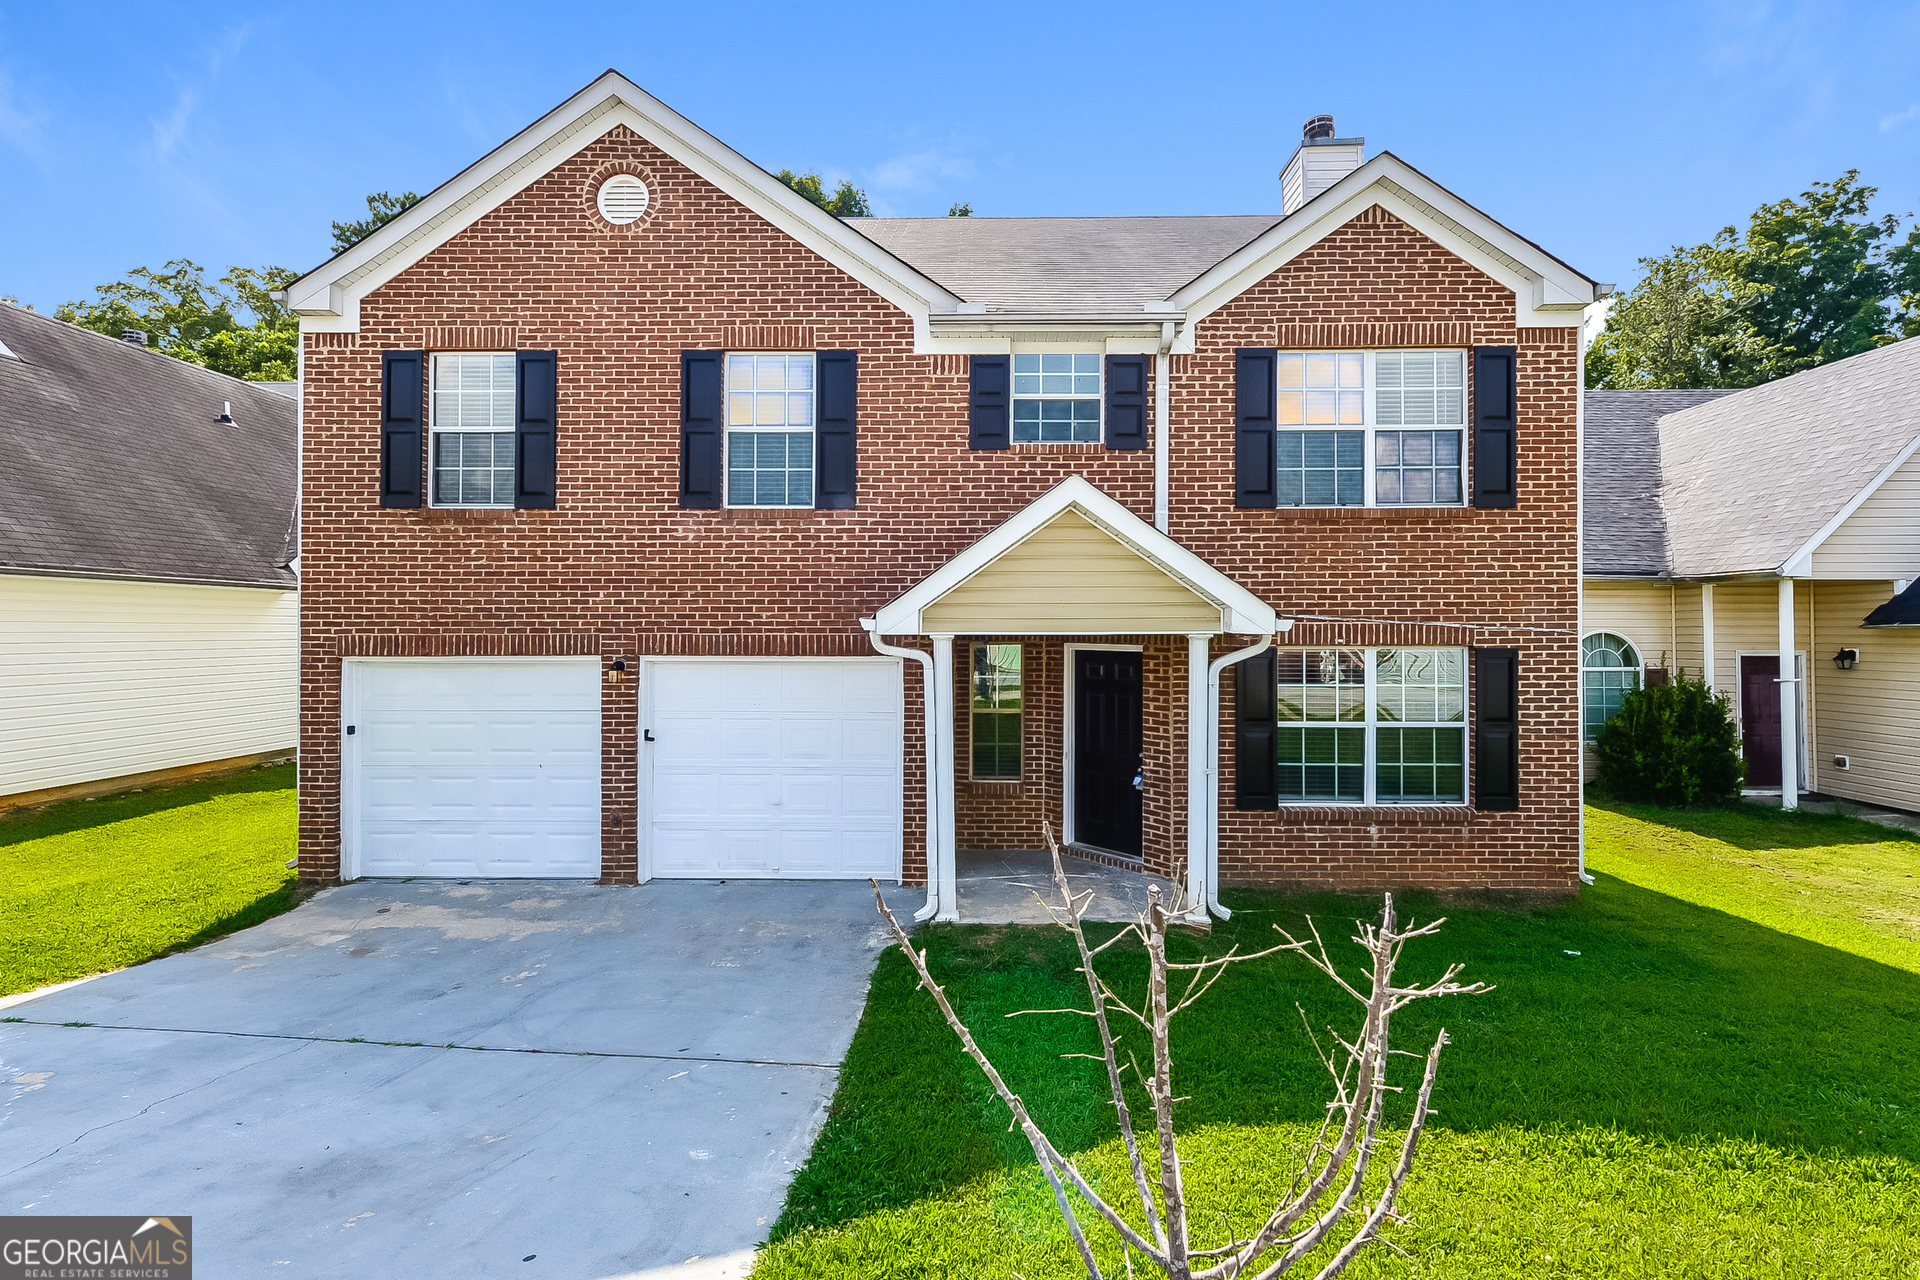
{"x": 1882, "y": 538}
{"x": 1661, "y": 619}
{"x": 104, "y": 679}
{"x": 1070, "y": 577}
{"x": 1871, "y": 712}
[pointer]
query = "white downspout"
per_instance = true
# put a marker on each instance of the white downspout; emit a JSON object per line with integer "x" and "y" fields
{"x": 1162, "y": 444}
{"x": 1213, "y": 761}
{"x": 929, "y": 695}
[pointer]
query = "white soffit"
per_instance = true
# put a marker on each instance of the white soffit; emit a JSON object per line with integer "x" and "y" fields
{"x": 327, "y": 299}
{"x": 1547, "y": 292}
{"x": 1241, "y": 612}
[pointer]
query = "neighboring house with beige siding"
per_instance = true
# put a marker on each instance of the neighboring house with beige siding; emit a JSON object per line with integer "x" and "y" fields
{"x": 149, "y": 618}
{"x": 1723, "y": 528}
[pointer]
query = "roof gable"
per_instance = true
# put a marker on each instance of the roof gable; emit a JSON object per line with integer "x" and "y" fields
{"x": 1547, "y": 292}
{"x": 1085, "y": 508}
{"x": 1756, "y": 481}
{"x": 328, "y": 297}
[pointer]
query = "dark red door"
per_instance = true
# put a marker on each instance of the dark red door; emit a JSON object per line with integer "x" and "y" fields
{"x": 1760, "y": 719}
{"x": 1106, "y": 750}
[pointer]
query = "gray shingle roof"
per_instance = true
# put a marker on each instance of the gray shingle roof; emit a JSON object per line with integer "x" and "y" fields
{"x": 114, "y": 466}
{"x": 1063, "y": 265}
{"x": 1623, "y": 531}
{"x": 1749, "y": 478}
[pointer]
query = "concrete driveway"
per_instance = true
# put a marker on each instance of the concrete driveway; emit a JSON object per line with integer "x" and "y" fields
{"x": 435, "y": 1079}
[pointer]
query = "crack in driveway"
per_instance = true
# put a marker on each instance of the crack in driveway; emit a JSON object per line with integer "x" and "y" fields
{"x": 150, "y": 1106}
{"x": 418, "y": 1044}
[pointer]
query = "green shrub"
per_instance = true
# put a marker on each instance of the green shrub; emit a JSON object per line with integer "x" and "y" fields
{"x": 1673, "y": 744}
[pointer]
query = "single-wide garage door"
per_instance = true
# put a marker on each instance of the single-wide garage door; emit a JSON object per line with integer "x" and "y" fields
{"x": 472, "y": 767}
{"x": 775, "y": 767}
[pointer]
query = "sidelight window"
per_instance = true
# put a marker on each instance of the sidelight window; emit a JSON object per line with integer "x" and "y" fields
{"x": 996, "y": 712}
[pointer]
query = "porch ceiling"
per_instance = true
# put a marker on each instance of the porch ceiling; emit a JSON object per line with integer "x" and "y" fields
{"x": 1075, "y": 562}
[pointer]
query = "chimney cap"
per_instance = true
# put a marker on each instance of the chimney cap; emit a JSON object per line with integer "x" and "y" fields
{"x": 1316, "y": 127}
{"x": 134, "y": 337}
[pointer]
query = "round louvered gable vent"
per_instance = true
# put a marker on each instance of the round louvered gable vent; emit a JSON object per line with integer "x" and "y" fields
{"x": 623, "y": 199}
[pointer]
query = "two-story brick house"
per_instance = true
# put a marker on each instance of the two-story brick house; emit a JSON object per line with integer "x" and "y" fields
{"x": 657, "y": 523}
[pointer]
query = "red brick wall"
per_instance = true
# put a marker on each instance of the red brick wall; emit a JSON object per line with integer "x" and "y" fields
{"x": 619, "y": 570}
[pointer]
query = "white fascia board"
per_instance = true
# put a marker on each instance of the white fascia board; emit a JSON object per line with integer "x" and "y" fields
{"x": 1800, "y": 563}
{"x": 1241, "y": 612}
{"x": 1547, "y": 292}
{"x": 328, "y": 297}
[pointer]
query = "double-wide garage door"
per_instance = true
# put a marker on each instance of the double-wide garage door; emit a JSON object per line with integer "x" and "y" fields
{"x": 491, "y": 767}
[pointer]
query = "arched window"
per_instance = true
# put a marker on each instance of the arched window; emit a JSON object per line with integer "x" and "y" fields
{"x": 1609, "y": 666}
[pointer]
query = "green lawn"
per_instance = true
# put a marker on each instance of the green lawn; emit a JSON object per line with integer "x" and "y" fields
{"x": 1708, "y": 1066}
{"x": 92, "y": 885}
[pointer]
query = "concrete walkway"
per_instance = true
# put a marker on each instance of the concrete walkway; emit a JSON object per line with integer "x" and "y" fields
{"x": 1898, "y": 819}
{"x": 433, "y": 1079}
{"x": 999, "y": 887}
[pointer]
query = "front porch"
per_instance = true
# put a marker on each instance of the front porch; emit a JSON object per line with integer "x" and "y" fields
{"x": 1086, "y": 696}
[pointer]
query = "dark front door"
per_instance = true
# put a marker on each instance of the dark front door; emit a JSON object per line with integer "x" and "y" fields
{"x": 1106, "y": 750}
{"x": 1760, "y": 719}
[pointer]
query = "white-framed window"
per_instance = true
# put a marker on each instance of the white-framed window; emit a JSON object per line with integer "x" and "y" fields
{"x": 1056, "y": 397}
{"x": 1609, "y": 670}
{"x": 470, "y": 423}
{"x": 1371, "y": 428}
{"x": 996, "y": 707}
{"x": 770, "y": 421}
{"x": 1372, "y": 726}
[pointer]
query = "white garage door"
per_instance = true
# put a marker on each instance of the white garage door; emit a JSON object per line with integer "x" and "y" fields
{"x": 775, "y": 767}
{"x": 473, "y": 767}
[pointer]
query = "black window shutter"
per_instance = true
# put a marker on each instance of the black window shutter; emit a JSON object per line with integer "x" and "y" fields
{"x": 402, "y": 376}
{"x": 836, "y": 471}
{"x": 989, "y": 402}
{"x": 1255, "y": 762}
{"x": 702, "y": 429}
{"x": 1126, "y": 402}
{"x": 1495, "y": 438}
{"x": 536, "y": 406}
{"x": 1496, "y": 729}
{"x": 1253, "y": 443}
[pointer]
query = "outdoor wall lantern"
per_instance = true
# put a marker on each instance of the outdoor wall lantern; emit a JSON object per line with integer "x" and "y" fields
{"x": 1845, "y": 659}
{"x": 617, "y": 672}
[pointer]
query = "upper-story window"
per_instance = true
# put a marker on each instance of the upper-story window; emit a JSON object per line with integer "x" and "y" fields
{"x": 470, "y": 419}
{"x": 1056, "y": 398}
{"x": 1370, "y": 428}
{"x": 770, "y": 427}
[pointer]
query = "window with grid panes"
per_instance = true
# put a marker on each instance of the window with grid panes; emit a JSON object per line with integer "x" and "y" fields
{"x": 1609, "y": 669}
{"x": 470, "y": 421}
{"x": 1371, "y": 726}
{"x": 770, "y": 401}
{"x": 1345, "y": 428}
{"x": 1056, "y": 398}
{"x": 997, "y": 711}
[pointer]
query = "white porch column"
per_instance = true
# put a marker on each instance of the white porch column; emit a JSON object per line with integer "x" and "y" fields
{"x": 1789, "y": 705}
{"x": 1706, "y": 633}
{"x": 942, "y": 847}
{"x": 1198, "y": 775}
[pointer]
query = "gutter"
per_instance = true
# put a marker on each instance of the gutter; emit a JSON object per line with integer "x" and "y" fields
{"x": 108, "y": 575}
{"x": 1162, "y": 444}
{"x": 932, "y": 704}
{"x": 1211, "y": 838}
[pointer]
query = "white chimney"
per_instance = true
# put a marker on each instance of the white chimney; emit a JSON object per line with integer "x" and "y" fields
{"x": 1320, "y": 161}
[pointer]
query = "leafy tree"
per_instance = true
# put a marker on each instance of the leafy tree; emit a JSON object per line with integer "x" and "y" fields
{"x": 847, "y": 201}
{"x": 958, "y": 210}
{"x": 201, "y": 323}
{"x": 1673, "y": 744}
{"x": 1810, "y": 281}
{"x": 382, "y": 208}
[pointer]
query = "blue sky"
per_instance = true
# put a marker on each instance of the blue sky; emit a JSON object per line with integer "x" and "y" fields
{"x": 130, "y": 134}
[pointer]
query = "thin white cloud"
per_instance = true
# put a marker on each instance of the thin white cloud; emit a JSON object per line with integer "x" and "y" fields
{"x": 22, "y": 125}
{"x": 1898, "y": 118}
{"x": 922, "y": 170}
{"x": 170, "y": 129}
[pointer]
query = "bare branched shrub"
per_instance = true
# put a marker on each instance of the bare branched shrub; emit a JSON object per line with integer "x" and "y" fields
{"x": 1329, "y": 1188}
